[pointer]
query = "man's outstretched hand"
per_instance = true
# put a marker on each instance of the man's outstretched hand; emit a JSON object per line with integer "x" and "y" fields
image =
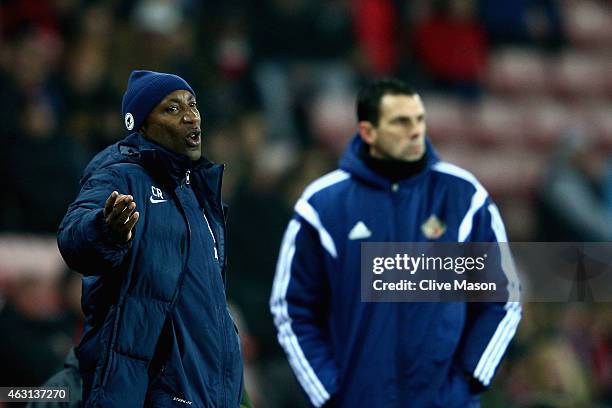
{"x": 120, "y": 216}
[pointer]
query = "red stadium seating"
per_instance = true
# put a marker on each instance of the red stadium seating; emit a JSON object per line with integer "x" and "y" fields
{"x": 446, "y": 118}
{"x": 517, "y": 71}
{"x": 546, "y": 120}
{"x": 588, "y": 23}
{"x": 499, "y": 121}
{"x": 581, "y": 74}
{"x": 504, "y": 172}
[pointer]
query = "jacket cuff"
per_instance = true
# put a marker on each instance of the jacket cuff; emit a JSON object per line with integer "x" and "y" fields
{"x": 475, "y": 385}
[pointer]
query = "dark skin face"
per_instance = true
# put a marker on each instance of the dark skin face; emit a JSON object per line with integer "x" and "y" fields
{"x": 175, "y": 124}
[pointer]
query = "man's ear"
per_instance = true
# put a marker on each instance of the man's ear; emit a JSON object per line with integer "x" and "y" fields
{"x": 367, "y": 132}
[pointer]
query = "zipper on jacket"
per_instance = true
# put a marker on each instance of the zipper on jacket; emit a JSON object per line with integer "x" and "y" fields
{"x": 395, "y": 211}
{"x": 187, "y": 177}
{"x": 185, "y": 253}
{"x": 394, "y": 204}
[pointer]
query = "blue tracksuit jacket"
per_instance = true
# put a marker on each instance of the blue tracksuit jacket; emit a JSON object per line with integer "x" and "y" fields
{"x": 130, "y": 290}
{"x": 385, "y": 354}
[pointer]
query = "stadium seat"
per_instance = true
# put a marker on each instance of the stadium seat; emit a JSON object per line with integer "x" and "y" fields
{"x": 546, "y": 120}
{"x": 499, "y": 121}
{"x": 588, "y": 23}
{"x": 504, "y": 172}
{"x": 517, "y": 70}
{"x": 332, "y": 120}
{"x": 580, "y": 74}
{"x": 599, "y": 115}
{"x": 445, "y": 118}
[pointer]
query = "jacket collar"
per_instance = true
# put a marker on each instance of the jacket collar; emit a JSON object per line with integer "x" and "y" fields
{"x": 352, "y": 163}
{"x": 170, "y": 168}
{"x": 166, "y": 166}
{"x": 175, "y": 164}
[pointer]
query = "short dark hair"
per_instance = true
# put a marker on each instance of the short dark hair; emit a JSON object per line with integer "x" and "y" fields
{"x": 369, "y": 97}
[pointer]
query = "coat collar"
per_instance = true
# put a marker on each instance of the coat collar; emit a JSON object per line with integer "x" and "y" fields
{"x": 168, "y": 167}
{"x": 352, "y": 163}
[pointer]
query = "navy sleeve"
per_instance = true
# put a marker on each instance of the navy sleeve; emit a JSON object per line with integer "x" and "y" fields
{"x": 490, "y": 326}
{"x": 300, "y": 305}
{"x": 83, "y": 236}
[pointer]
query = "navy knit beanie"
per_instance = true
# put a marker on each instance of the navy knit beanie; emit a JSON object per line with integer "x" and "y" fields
{"x": 145, "y": 89}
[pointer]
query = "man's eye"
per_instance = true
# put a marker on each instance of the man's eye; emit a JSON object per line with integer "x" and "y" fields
{"x": 171, "y": 109}
{"x": 193, "y": 104}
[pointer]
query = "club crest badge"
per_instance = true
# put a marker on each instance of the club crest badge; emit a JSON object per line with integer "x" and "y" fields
{"x": 433, "y": 228}
{"x": 129, "y": 121}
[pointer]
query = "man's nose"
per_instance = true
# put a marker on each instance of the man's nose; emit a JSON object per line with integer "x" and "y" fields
{"x": 191, "y": 116}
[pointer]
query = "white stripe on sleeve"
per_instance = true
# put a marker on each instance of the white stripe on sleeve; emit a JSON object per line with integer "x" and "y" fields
{"x": 506, "y": 329}
{"x": 323, "y": 182}
{"x": 288, "y": 340}
{"x": 478, "y": 199}
{"x": 306, "y": 211}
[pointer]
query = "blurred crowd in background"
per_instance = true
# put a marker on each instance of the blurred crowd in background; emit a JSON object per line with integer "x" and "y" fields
{"x": 517, "y": 91}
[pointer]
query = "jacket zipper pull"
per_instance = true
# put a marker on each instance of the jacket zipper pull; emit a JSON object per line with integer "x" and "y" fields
{"x": 187, "y": 176}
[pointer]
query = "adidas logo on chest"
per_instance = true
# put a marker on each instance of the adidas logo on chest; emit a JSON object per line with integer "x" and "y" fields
{"x": 359, "y": 231}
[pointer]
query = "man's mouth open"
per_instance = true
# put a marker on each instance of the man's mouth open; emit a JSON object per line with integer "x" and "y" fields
{"x": 194, "y": 138}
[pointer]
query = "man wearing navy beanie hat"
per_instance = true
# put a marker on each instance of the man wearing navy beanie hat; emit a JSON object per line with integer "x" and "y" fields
{"x": 144, "y": 91}
{"x": 147, "y": 231}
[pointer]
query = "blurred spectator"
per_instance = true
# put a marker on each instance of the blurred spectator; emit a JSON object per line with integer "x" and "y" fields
{"x": 554, "y": 381}
{"x": 303, "y": 30}
{"x": 523, "y": 22}
{"x": 268, "y": 182}
{"x": 573, "y": 200}
{"x": 601, "y": 352}
{"x": 69, "y": 377}
{"x": 14, "y": 14}
{"x": 44, "y": 170}
{"x": 452, "y": 46}
{"x": 258, "y": 213}
{"x": 302, "y": 48}
{"x": 37, "y": 334}
{"x": 89, "y": 97}
{"x": 376, "y": 26}
{"x": 230, "y": 88}
{"x": 43, "y": 165}
{"x": 164, "y": 37}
